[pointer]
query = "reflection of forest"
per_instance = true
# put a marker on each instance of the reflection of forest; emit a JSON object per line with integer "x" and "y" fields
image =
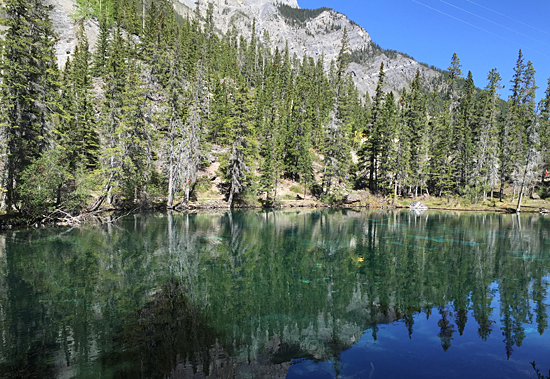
{"x": 241, "y": 294}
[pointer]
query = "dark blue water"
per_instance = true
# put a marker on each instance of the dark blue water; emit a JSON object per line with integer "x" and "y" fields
{"x": 262, "y": 294}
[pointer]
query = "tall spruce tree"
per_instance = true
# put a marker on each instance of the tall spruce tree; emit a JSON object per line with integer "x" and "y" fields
{"x": 30, "y": 81}
{"x": 374, "y": 132}
{"x": 416, "y": 119}
{"x": 239, "y": 165}
{"x": 486, "y": 157}
{"x": 388, "y": 155}
{"x": 441, "y": 159}
{"x": 336, "y": 150}
{"x": 544, "y": 108}
{"x": 464, "y": 137}
{"x": 514, "y": 136}
{"x": 77, "y": 134}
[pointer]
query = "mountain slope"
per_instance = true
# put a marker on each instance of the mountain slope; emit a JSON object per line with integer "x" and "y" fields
{"x": 311, "y": 33}
{"x": 312, "y": 36}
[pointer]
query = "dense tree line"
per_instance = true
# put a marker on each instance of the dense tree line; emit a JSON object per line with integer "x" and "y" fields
{"x": 134, "y": 120}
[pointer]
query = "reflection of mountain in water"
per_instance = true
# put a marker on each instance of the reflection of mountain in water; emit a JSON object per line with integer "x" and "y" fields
{"x": 242, "y": 294}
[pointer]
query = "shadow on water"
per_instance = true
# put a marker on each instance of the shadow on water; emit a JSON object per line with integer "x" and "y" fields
{"x": 164, "y": 336}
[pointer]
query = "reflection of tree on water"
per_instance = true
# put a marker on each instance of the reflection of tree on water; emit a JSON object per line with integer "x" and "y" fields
{"x": 446, "y": 330}
{"x": 253, "y": 290}
{"x": 166, "y": 332}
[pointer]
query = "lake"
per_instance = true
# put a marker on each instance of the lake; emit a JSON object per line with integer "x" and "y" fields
{"x": 278, "y": 294}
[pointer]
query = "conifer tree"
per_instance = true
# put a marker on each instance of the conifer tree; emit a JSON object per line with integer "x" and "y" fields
{"x": 336, "y": 150}
{"x": 100, "y": 57}
{"x": 415, "y": 118}
{"x": 177, "y": 114}
{"x": 463, "y": 136}
{"x": 219, "y": 113}
{"x": 520, "y": 117}
{"x": 190, "y": 148}
{"x": 374, "y": 130}
{"x": 77, "y": 134}
{"x": 388, "y": 155}
{"x": 544, "y": 108}
{"x": 486, "y": 157}
{"x": 440, "y": 166}
{"x": 238, "y": 168}
{"x": 30, "y": 80}
{"x": 272, "y": 113}
{"x": 455, "y": 72}
{"x": 403, "y": 137}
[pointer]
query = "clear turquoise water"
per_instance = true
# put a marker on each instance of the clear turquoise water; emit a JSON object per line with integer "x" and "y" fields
{"x": 263, "y": 294}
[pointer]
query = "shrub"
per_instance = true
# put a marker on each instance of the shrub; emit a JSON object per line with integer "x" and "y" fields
{"x": 45, "y": 185}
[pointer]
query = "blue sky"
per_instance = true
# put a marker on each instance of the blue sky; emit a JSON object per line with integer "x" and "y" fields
{"x": 484, "y": 33}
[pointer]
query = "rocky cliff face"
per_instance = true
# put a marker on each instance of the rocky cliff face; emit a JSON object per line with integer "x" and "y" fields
{"x": 312, "y": 37}
{"x": 320, "y": 34}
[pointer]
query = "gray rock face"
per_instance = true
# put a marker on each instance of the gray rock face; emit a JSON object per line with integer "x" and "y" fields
{"x": 322, "y": 34}
{"x": 317, "y": 36}
{"x": 66, "y": 29}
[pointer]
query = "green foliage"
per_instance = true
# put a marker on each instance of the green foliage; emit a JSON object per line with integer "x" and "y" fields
{"x": 30, "y": 81}
{"x": 366, "y": 55}
{"x": 299, "y": 16}
{"x": 47, "y": 184}
{"x": 174, "y": 88}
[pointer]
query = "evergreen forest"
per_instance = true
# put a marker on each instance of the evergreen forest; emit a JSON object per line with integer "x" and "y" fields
{"x": 134, "y": 122}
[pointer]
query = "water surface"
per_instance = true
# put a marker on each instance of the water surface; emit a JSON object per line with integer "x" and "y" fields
{"x": 263, "y": 294}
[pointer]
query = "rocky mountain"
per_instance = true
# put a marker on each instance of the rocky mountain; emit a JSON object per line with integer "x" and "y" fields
{"x": 312, "y": 33}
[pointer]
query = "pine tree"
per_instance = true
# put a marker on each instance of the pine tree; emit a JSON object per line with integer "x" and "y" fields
{"x": 455, "y": 72}
{"x": 544, "y": 108}
{"x": 336, "y": 150}
{"x": 30, "y": 80}
{"x": 403, "y": 138}
{"x": 520, "y": 117}
{"x": 441, "y": 164}
{"x": 415, "y": 118}
{"x": 238, "y": 168}
{"x": 388, "y": 155}
{"x": 374, "y": 130}
{"x": 101, "y": 49}
{"x": 219, "y": 114}
{"x": 464, "y": 138}
{"x": 177, "y": 113}
{"x": 486, "y": 157}
{"x": 77, "y": 133}
{"x": 190, "y": 151}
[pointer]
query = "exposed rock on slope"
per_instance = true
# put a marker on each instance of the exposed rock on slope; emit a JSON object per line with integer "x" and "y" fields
{"x": 312, "y": 37}
{"x": 320, "y": 34}
{"x": 66, "y": 28}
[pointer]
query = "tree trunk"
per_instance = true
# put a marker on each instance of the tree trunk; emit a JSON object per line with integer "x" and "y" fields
{"x": 171, "y": 188}
{"x": 230, "y": 200}
{"x": 523, "y": 184}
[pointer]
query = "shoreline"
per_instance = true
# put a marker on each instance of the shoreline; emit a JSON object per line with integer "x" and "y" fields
{"x": 10, "y": 222}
